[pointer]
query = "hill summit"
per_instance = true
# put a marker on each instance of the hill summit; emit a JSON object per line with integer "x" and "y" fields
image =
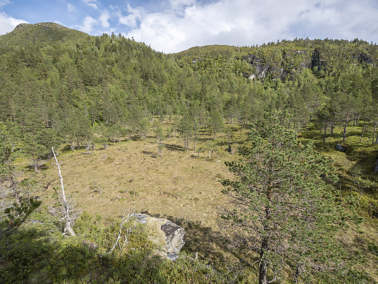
{"x": 40, "y": 33}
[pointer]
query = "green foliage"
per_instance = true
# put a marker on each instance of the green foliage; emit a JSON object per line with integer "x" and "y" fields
{"x": 44, "y": 256}
{"x": 16, "y": 205}
{"x": 59, "y": 84}
{"x": 286, "y": 213}
{"x": 16, "y": 215}
{"x": 216, "y": 122}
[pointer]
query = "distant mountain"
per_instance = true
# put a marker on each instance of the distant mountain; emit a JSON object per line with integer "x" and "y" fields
{"x": 40, "y": 34}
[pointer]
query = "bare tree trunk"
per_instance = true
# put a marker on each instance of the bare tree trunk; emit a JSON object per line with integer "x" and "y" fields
{"x": 15, "y": 192}
{"x": 35, "y": 164}
{"x": 333, "y": 124}
{"x": 263, "y": 268}
{"x": 65, "y": 203}
{"x": 325, "y": 132}
{"x": 345, "y": 127}
{"x": 72, "y": 146}
{"x": 375, "y": 126}
{"x": 362, "y": 132}
{"x": 297, "y": 273}
{"x": 263, "y": 271}
{"x": 361, "y": 191}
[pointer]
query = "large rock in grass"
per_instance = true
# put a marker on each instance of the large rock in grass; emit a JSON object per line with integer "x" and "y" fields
{"x": 167, "y": 236}
{"x": 340, "y": 148}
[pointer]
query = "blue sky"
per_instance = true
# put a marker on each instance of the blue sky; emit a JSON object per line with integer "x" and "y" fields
{"x": 175, "y": 25}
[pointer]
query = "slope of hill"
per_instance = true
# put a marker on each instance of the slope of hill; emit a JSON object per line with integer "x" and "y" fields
{"x": 175, "y": 114}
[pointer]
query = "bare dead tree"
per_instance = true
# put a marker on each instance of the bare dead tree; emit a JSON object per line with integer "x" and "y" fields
{"x": 127, "y": 216}
{"x": 64, "y": 202}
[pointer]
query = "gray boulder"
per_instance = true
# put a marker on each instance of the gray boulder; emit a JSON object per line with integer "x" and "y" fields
{"x": 340, "y": 148}
{"x": 167, "y": 236}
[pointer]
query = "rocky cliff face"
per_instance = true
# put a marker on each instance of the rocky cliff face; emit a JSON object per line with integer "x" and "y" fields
{"x": 293, "y": 61}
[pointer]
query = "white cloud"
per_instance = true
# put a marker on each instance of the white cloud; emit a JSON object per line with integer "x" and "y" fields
{"x": 134, "y": 16}
{"x": 88, "y": 24}
{"x": 91, "y": 3}
{"x": 7, "y": 23}
{"x": 71, "y": 7}
{"x": 4, "y": 2}
{"x": 104, "y": 19}
{"x": 186, "y": 23}
{"x": 180, "y": 4}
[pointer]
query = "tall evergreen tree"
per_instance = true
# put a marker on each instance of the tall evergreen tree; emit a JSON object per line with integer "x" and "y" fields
{"x": 284, "y": 211}
{"x": 216, "y": 122}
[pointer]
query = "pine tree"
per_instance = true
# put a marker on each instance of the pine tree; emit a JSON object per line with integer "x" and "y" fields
{"x": 186, "y": 128}
{"x": 144, "y": 128}
{"x": 285, "y": 212}
{"x": 325, "y": 117}
{"x": 159, "y": 133}
{"x": 16, "y": 203}
{"x": 216, "y": 122}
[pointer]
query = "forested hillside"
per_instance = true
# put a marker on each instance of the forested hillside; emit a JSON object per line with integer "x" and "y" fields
{"x": 65, "y": 89}
{"x": 66, "y": 86}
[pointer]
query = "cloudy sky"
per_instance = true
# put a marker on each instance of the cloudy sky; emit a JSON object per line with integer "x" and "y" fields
{"x": 175, "y": 25}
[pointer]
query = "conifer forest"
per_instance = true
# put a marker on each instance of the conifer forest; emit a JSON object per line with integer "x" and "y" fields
{"x": 266, "y": 156}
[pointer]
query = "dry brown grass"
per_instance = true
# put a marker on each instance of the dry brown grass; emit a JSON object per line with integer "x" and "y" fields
{"x": 178, "y": 185}
{"x": 131, "y": 174}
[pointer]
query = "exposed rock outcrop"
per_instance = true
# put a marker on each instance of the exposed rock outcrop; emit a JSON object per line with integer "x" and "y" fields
{"x": 294, "y": 60}
{"x": 167, "y": 236}
{"x": 279, "y": 69}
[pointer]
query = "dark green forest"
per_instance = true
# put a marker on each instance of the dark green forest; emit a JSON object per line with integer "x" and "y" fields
{"x": 62, "y": 88}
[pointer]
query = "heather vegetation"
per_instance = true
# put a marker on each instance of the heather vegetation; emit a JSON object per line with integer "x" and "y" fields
{"x": 136, "y": 128}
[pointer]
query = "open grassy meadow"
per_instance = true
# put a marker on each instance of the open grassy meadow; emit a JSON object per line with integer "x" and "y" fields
{"x": 183, "y": 186}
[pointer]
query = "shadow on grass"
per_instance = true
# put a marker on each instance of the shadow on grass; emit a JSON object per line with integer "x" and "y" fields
{"x": 40, "y": 168}
{"x": 37, "y": 256}
{"x": 173, "y": 147}
{"x": 205, "y": 139}
{"x": 210, "y": 245}
{"x": 358, "y": 157}
{"x": 196, "y": 157}
{"x": 151, "y": 154}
